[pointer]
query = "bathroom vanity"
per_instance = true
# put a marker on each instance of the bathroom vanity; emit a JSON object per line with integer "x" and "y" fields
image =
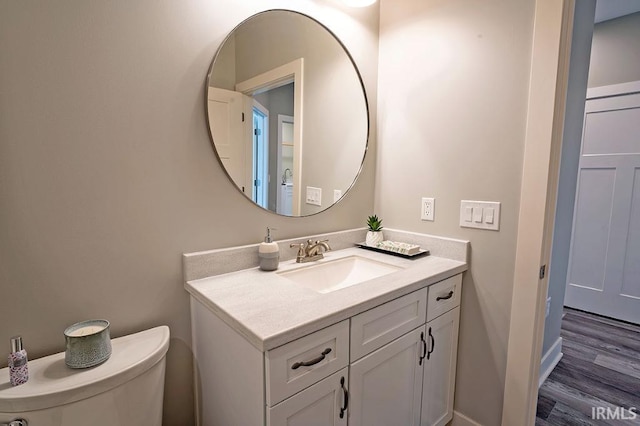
{"x": 271, "y": 349}
{"x": 357, "y": 338}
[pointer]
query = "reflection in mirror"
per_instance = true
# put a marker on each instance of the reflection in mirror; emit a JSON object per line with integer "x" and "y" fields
{"x": 287, "y": 113}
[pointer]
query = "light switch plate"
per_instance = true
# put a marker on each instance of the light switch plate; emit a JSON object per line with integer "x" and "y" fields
{"x": 314, "y": 196}
{"x": 480, "y": 214}
{"x": 337, "y": 194}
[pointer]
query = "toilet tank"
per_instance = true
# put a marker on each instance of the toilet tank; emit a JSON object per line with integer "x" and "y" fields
{"x": 127, "y": 389}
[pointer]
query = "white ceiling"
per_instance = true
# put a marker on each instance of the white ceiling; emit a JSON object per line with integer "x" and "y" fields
{"x": 610, "y": 9}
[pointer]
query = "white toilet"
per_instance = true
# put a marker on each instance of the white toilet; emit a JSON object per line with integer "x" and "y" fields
{"x": 127, "y": 389}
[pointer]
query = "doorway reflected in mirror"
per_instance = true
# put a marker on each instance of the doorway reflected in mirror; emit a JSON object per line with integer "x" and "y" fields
{"x": 287, "y": 110}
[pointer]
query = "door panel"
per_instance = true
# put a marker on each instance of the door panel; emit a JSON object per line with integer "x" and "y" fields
{"x": 386, "y": 385}
{"x": 440, "y": 369}
{"x": 591, "y": 229}
{"x": 228, "y": 131}
{"x": 318, "y": 405}
{"x": 599, "y": 139}
{"x": 631, "y": 274}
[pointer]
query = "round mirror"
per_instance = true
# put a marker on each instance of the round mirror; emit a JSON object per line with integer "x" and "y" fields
{"x": 287, "y": 113}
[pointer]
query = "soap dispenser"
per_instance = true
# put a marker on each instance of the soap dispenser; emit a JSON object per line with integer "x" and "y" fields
{"x": 269, "y": 253}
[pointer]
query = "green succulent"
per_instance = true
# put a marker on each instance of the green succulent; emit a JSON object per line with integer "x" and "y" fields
{"x": 374, "y": 223}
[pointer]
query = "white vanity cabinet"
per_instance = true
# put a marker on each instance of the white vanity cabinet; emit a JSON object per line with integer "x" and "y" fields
{"x": 390, "y": 365}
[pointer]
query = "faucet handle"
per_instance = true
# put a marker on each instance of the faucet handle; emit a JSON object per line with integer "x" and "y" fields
{"x": 300, "y": 247}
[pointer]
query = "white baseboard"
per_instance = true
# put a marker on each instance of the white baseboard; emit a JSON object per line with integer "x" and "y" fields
{"x": 460, "y": 419}
{"x": 550, "y": 360}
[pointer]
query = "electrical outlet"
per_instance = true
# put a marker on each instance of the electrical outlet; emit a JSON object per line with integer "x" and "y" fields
{"x": 428, "y": 207}
{"x": 337, "y": 194}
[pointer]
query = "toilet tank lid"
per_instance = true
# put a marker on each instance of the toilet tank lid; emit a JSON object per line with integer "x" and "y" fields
{"x": 52, "y": 383}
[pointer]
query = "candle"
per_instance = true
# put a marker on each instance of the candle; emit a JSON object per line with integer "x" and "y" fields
{"x": 88, "y": 343}
{"x": 84, "y": 331}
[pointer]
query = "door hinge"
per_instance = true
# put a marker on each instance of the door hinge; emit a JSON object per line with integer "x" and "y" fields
{"x": 243, "y": 117}
{"x": 543, "y": 270}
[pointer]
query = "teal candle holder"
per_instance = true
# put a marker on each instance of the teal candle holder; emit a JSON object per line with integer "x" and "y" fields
{"x": 88, "y": 343}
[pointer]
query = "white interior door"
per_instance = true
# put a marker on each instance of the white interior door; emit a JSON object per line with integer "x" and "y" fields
{"x": 228, "y": 122}
{"x": 604, "y": 263}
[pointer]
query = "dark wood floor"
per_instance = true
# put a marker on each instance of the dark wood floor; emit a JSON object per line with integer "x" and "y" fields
{"x": 600, "y": 368}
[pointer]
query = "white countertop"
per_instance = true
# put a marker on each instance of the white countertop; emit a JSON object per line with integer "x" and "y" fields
{"x": 270, "y": 310}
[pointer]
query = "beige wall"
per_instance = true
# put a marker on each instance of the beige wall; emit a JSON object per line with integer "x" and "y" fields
{"x": 453, "y": 83}
{"x": 615, "y": 56}
{"x": 107, "y": 174}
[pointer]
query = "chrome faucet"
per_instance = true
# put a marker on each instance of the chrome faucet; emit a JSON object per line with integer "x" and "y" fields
{"x": 310, "y": 251}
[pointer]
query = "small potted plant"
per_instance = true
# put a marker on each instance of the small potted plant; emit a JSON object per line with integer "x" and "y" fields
{"x": 374, "y": 234}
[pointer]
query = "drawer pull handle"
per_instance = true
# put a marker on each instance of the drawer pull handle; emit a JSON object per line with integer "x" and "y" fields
{"x": 433, "y": 344}
{"x": 346, "y": 398}
{"x": 312, "y": 362}
{"x": 447, "y": 297}
{"x": 424, "y": 349}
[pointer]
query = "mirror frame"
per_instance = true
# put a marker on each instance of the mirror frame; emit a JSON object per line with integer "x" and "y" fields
{"x": 364, "y": 94}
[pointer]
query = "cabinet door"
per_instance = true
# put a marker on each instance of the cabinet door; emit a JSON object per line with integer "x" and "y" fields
{"x": 386, "y": 385}
{"x": 322, "y": 404}
{"x": 440, "y": 369}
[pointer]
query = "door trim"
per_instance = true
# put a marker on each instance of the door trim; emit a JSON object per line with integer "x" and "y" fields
{"x": 285, "y": 74}
{"x": 551, "y": 50}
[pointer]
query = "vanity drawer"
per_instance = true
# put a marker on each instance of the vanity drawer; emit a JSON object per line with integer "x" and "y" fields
{"x": 376, "y": 327}
{"x": 444, "y": 296}
{"x": 292, "y": 367}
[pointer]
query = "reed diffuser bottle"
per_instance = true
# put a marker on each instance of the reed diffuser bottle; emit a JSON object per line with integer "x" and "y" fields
{"x": 18, "y": 369}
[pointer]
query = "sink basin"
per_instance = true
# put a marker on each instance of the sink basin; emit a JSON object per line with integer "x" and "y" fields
{"x": 336, "y": 274}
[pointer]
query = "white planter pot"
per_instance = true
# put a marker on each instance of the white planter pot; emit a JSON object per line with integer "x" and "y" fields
{"x": 374, "y": 238}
